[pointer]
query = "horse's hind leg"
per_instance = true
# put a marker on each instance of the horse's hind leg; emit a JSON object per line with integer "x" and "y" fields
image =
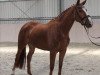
{"x": 29, "y": 57}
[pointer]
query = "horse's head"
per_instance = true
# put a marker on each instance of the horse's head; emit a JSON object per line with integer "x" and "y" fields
{"x": 81, "y": 14}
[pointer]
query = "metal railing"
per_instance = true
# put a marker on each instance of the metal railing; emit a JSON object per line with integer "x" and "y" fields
{"x": 13, "y": 0}
{"x": 27, "y": 17}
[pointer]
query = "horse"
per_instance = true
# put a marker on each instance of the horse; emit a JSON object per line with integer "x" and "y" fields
{"x": 52, "y": 36}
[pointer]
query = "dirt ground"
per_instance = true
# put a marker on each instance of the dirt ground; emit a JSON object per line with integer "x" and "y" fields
{"x": 80, "y": 59}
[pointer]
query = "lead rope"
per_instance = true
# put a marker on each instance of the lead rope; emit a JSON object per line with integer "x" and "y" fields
{"x": 87, "y": 31}
{"x": 93, "y": 36}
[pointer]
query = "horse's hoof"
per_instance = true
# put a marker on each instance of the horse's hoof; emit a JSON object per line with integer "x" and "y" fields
{"x": 29, "y": 74}
{"x": 13, "y": 73}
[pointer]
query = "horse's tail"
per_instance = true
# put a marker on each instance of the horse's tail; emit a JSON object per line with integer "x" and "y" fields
{"x": 22, "y": 42}
{"x": 20, "y": 59}
{"x": 21, "y": 53}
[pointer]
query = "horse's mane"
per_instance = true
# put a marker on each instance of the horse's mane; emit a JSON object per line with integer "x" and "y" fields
{"x": 62, "y": 14}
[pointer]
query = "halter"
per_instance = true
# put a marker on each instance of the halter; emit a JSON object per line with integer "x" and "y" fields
{"x": 85, "y": 18}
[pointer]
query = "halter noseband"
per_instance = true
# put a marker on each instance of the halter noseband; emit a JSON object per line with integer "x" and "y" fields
{"x": 85, "y": 17}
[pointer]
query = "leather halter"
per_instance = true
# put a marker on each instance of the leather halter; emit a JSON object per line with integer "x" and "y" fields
{"x": 84, "y": 19}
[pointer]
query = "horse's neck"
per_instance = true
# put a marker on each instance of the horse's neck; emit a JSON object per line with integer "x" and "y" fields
{"x": 67, "y": 21}
{"x": 64, "y": 21}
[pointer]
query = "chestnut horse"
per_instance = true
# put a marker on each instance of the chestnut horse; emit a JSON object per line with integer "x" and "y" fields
{"x": 52, "y": 36}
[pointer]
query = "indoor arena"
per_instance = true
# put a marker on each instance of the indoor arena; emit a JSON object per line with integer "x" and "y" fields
{"x": 61, "y": 36}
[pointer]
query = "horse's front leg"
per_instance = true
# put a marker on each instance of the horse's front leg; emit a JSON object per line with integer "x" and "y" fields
{"x": 61, "y": 57}
{"x": 52, "y": 61}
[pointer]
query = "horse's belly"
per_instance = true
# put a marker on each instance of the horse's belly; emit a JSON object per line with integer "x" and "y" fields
{"x": 42, "y": 46}
{"x": 40, "y": 43}
{"x": 46, "y": 46}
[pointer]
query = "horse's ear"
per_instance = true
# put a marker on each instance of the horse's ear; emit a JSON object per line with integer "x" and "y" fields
{"x": 78, "y": 2}
{"x": 83, "y": 2}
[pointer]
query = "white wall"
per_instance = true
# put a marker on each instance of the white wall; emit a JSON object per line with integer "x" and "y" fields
{"x": 9, "y": 32}
{"x": 92, "y": 6}
{"x": 31, "y": 9}
{"x": 78, "y": 33}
